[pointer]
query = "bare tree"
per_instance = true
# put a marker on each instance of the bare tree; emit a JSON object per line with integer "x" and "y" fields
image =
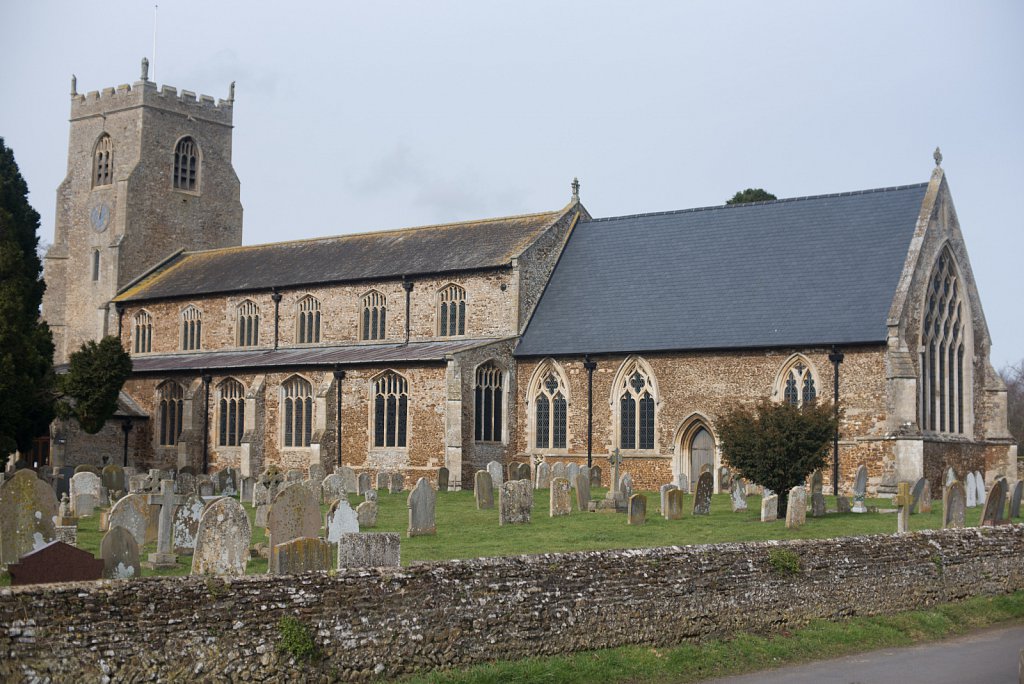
{"x": 1013, "y": 376}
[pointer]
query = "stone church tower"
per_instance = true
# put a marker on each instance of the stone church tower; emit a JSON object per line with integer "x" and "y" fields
{"x": 149, "y": 174}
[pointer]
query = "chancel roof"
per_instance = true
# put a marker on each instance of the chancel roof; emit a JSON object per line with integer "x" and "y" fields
{"x": 442, "y": 248}
{"x": 798, "y": 272}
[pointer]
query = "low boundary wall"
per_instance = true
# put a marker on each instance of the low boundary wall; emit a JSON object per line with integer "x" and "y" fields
{"x": 384, "y": 623}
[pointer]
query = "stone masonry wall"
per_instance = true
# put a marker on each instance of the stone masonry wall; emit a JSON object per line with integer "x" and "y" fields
{"x": 386, "y": 623}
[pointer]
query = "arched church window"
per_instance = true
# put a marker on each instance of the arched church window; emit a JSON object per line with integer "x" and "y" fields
{"x": 636, "y": 397}
{"x": 451, "y": 311}
{"x": 186, "y": 165}
{"x": 551, "y": 407}
{"x": 489, "y": 403}
{"x": 248, "y": 324}
{"x": 232, "y": 413}
{"x": 798, "y": 384}
{"x": 191, "y": 328}
{"x": 390, "y": 410}
{"x": 171, "y": 406}
{"x": 308, "y": 320}
{"x": 297, "y": 397}
{"x": 375, "y": 311}
{"x": 142, "y": 332}
{"x": 945, "y": 339}
{"x": 103, "y": 162}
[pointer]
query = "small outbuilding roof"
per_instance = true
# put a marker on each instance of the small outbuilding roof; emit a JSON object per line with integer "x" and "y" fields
{"x": 795, "y": 272}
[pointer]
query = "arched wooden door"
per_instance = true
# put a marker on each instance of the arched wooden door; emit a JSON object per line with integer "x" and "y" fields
{"x": 702, "y": 453}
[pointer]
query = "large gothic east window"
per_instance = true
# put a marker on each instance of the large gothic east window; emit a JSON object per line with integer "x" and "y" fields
{"x": 945, "y": 343}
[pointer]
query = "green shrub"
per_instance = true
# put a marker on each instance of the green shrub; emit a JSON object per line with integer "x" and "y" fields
{"x": 297, "y": 640}
{"x": 784, "y": 561}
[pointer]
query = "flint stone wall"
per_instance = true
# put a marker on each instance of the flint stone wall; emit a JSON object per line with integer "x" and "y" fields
{"x": 458, "y": 613}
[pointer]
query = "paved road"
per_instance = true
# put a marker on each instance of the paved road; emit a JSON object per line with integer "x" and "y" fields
{"x": 986, "y": 657}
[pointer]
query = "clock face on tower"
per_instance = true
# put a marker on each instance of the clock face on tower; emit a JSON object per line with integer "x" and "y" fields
{"x": 99, "y": 217}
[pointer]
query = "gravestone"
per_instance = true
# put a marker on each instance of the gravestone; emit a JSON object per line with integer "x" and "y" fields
{"x": 349, "y": 482}
{"x": 333, "y": 488}
{"x": 317, "y": 473}
{"x": 524, "y": 472}
{"x": 483, "y": 491}
{"x": 816, "y": 481}
{"x": 979, "y": 483}
{"x": 293, "y": 475}
{"x": 293, "y": 514}
{"x": 341, "y": 519}
{"x": 120, "y": 554}
{"x": 972, "y": 491}
{"x": 664, "y": 490}
{"x": 261, "y": 501}
{"x": 246, "y": 491}
{"x": 770, "y": 508}
{"x": 1018, "y": 490}
{"x": 512, "y": 471}
{"x": 396, "y": 483}
{"x": 915, "y": 494}
{"x": 561, "y": 497}
{"x": 950, "y": 477}
{"x": 225, "y": 482}
{"x": 186, "y": 524}
{"x": 442, "y": 479}
{"x": 185, "y": 484}
{"x": 113, "y": 478}
{"x": 571, "y": 471}
{"x": 515, "y": 502}
{"x": 542, "y": 475}
{"x": 85, "y": 493}
{"x": 583, "y": 491}
{"x": 796, "y": 508}
{"x": 134, "y": 514}
{"x": 626, "y": 486}
{"x": 702, "y": 494}
{"x": 55, "y": 562}
{"x": 558, "y": 470}
{"x": 370, "y": 550}
{"x": 724, "y": 479}
{"x": 383, "y": 479}
{"x": 64, "y": 517}
{"x": 166, "y": 500}
{"x": 87, "y": 468}
{"x": 860, "y": 490}
{"x": 61, "y": 480}
{"x": 494, "y": 468}
{"x": 137, "y": 484}
{"x": 637, "y": 510}
{"x": 422, "y": 504}
{"x": 904, "y": 501}
{"x": 305, "y": 554}
{"x": 204, "y": 484}
{"x": 683, "y": 483}
{"x": 954, "y": 506}
{"x": 366, "y": 512}
{"x": 995, "y": 503}
{"x": 817, "y": 505}
{"x": 364, "y": 483}
{"x": 673, "y": 509}
{"x": 738, "y": 495}
{"x": 27, "y": 508}
{"x": 222, "y": 540}
{"x": 925, "y": 504}
{"x": 595, "y": 476}
{"x": 842, "y": 504}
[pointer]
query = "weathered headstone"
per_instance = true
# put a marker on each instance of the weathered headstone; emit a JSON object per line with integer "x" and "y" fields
{"x": 332, "y": 488}
{"x": 525, "y": 473}
{"x": 860, "y": 489}
{"x": 396, "y": 483}
{"x": 225, "y": 482}
{"x": 166, "y": 500}
{"x": 702, "y": 494}
{"x": 483, "y": 491}
{"x": 137, "y": 484}
{"x": 370, "y": 550}
{"x": 305, "y": 554}
{"x": 113, "y": 478}
{"x": 979, "y": 483}
{"x": 664, "y": 490}
{"x": 349, "y": 481}
{"x": 494, "y": 468}
{"x": 422, "y": 505}
{"x": 27, "y": 508}
{"x": 120, "y": 554}
{"x": 796, "y": 507}
{"x": 817, "y": 480}
{"x": 561, "y": 497}
{"x": 294, "y": 475}
{"x": 87, "y": 468}
{"x": 637, "y": 510}
{"x": 366, "y": 512}
{"x": 904, "y": 501}
{"x": 724, "y": 479}
{"x": 915, "y": 493}
{"x": 995, "y": 503}
{"x": 950, "y": 477}
{"x": 85, "y": 493}
{"x": 558, "y": 470}
{"x": 317, "y": 473}
{"x": 341, "y": 519}
{"x": 972, "y": 491}
{"x": 842, "y": 504}
{"x": 442, "y": 479}
{"x": 1018, "y": 490}
{"x": 293, "y": 514}
{"x": 738, "y": 495}
{"x": 134, "y": 514}
{"x": 515, "y": 502}
{"x": 185, "y": 484}
{"x": 817, "y": 505}
{"x": 673, "y": 509}
{"x": 583, "y": 490}
{"x": 245, "y": 492}
{"x": 204, "y": 485}
{"x": 542, "y": 475}
{"x": 383, "y": 479}
{"x": 365, "y": 483}
{"x": 222, "y": 541}
{"x": 626, "y": 486}
{"x": 571, "y": 471}
{"x": 55, "y": 562}
{"x": 769, "y": 508}
{"x": 186, "y": 524}
{"x": 925, "y": 504}
{"x": 954, "y": 506}
{"x": 683, "y": 483}
{"x": 595, "y": 476}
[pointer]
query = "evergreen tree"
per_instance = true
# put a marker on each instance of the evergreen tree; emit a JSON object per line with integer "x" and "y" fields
{"x": 96, "y": 373}
{"x": 26, "y": 346}
{"x": 751, "y": 195}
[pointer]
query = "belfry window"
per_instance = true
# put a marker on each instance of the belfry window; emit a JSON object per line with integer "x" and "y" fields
{"x": 298, "y": 412}
{"x": 103, "y": 162}
{"x": 551, "y": 409}
{"x": 142, "y": 329}
{"x": 232, "y": 413}
{"x": 172, "y": 405}
{"x": 248, "y": 324}
{"x": 375, "y": 311}
{"x": 308, "y": 320}
{"x": 945, "y": 339}
{"x": 186, "y": 165}
{"x": 488, "y": 407}
{"x": 191, "y": 329}
{"x": 390, "y": 410}
{"x": 451, "y": 313}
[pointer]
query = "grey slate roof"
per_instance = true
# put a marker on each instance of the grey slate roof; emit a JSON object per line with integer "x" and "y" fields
{"x": 799, "y": 272}
{"x": 365, "y": 256}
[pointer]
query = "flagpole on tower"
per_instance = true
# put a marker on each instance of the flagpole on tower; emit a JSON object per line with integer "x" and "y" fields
{"x": 155, "y": 8}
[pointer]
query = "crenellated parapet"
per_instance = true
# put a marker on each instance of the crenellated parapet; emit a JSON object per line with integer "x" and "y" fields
{"x": 146, "y": 93}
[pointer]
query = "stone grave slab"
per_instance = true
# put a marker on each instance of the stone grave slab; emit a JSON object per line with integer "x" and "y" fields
{"x": 860, "y": 488}
{"x": 383, "y": 479}
{"x": 770, "y": 508}
{"x": 305, "y": 554}
{"x": 442, "y": 479}
{"x": 294, "y": 475}
{"x": 515, "y": 503}
{"x": 223, "y": 539}
{"x": 120, "y": 554}
{"x": 167, "y": 500}
{"x": 396, "y": 483}
{"x": 134, "y": 514}
{"x": 954, "y": 506}
{"x": 366, "y": 513}
{"x": 663, "y": 491}
{"x": 637, "y": 510}
{"x": 626, "y": 486}
{"x": 27, "y": 509}
{"x": 796, "y": 508}
{"x": 542, "y": 476}
{"x": 317, "y": 473}
{"x": 915, "y": 492}
{"x": 185, "y": 524}
{"x": 113, "y": 478}
{"x": 349, "y": 480}
{"x": 494, "y": 468}
{"x": 333, "y": 488}
{"x": 371, "y": 495}
{"x": 673, "y": 509}
{"x": 483, "y": 490}
{"x": 88, "y": 468}
{"x": 595, "y": 476}
{"x": 524, "y": 472}
{"x": 583, "y": 490}
{"x": 1018, "y": 490}
{"x": 55, "y": 562}
{"x": 738, "y": 495}
{"x": 817, "y": 505}
{"x": 558, "y": 469}
{"x": 979, "y": 484}
{"x": 365, "y": 482}
{"x": 293, "y": 514}
{"x": 971, "y": 490}
{"x": 85, "y": 493}
{"x": 925, "y": 504}
{"x": 561, "y": 497}
{"x": 370, "y": 550}
{"x": 341, "y": 519}
{"x": 702, "y": 494}
{"x": 842, "y": 504}
{"x": 422, "y": 504}
{"x": 992, "y": 513}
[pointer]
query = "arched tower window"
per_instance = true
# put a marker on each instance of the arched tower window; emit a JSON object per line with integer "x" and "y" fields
{"x": 550, "y": 398}
{"x": 103, "y": 162}
{"x": 297, "y": 397}
{"x": 634, "y": 400}
{"x": 171, "y": 406}
{"x": 186, "y": 165}
{"x": 232, "y": 413}
{"x": 451, "y": 313}
{"x": 946, "y": 338}
{"x": 142, "y": 332}
{"x": 307, "y": 320}
{"x": 248, "y": 324}
{"x": 191, "y": 328}
{"x": 390, "y": 410}
{"x": 489, "y": 407}
{"x": 796, "y": 383}
{"x": 375, "y": 311}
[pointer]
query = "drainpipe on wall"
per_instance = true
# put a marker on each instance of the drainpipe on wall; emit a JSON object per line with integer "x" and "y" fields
{"x": 276, "y": 297}
{"x": 339, "y": 375}
{"x": 836, "y": 357}
{"x": 119, "y": 307}
{"x": 206, "y": 422}
{"x": 591, "y": 366}
{"x": 407, "y": 286}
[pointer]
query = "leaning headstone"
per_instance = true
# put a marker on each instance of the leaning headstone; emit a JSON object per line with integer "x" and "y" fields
{"x": 222, "y": 540}
{"x": 738, "y": 495}
{"x": 817, "y": 480}
{"x": 366, "y": 512}
{"x": 483, "y": 491}
{"x": 702, "y": 494}
{"x": 595, "y": 476}
{"x": 571, "y": 471}
{"x": 341, "y": 519}
{"x": 796, "y": 507}
{"x": 860, "y": 489}
{"x": 293, "y": 514}
{"x": 515, "y": 502}
{"x": 27, "y": 508}
{"x": 979, "y": 483}
{"x": 904, "y": 501}
{"x": 972, "y": 491}
{"x": 422, "y": 504}
{"x": 683, "y": 483}
{"x": 370, "y": 550}
{"x": 383, "y": 479}
{"x": 582, "y": 491}
{"x": 561, "y": 497}
{"x": 442, "y": 479}
{"x": 664, "y": 490}
{"x": 954, "y": 506}
{"x": 558, "y": 470}
{"x": 120, "y": 554}
{"x": 85, "y": 493}
{"x": 55, "y": 562}
{"x": 769, "y": 508}
{"x": 364, "y": 483}
{"x": 915, "y": 493}
{"x": 626, "y": 486}
{"x": 186, "y": 524}
{"x": 134, "y": 514}
{"x": 305, "y": 554}
{"x": 317, "y": 472}
{"x": 925, "y": 504}
{"x": 673, "y": 509}
{"x": 396, "y": 483}
{"x": 113, "y": 478}
{"x": 542, "y": 476}
{"x": 1018, "y": 489}
{"x": 333, "y": 488}
{"x": 494, "y": 468}
{"x": 166, "y": 500}
{"x": 637, "y": 511}
{"x": 995, "y": 503}
{"x": 349, "y": 481}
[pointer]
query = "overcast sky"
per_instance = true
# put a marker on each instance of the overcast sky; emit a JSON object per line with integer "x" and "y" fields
{"x": 359, "y": 116}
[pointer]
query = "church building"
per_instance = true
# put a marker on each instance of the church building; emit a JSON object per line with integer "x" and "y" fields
{"x": 550, "y": 336}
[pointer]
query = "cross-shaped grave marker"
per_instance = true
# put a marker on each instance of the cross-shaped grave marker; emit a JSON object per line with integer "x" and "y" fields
{"x": 903, "y": 502}
{"x": 167, "y": 500}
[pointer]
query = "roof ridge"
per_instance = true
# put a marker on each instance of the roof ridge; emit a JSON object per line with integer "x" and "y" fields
{"x": 891, "y": 188}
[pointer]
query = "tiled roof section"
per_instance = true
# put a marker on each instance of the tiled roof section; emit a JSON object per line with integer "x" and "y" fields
{"x": 352, "y": 354}
{"x": 364, "y": 256}
{"x": 807, "y": 271}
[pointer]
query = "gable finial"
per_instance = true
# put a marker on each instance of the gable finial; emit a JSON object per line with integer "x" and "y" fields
{"x": 575, "y": 189}
{"x": 937, "y": 156}
{"x": 145, "y": 69}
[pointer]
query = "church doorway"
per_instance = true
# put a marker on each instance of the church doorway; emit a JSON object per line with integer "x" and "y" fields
{"x": 702, "y": 453}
